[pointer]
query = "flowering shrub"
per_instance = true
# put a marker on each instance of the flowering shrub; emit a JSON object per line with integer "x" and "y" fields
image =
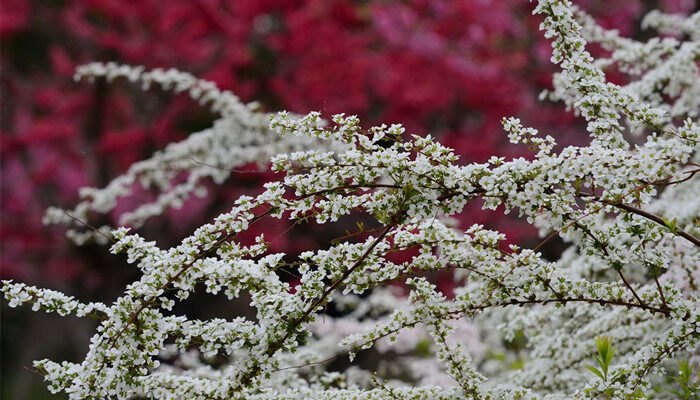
{"x": 623, "y": 296}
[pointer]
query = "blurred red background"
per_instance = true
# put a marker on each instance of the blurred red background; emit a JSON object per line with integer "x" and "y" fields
{"x": 451, "y": 68}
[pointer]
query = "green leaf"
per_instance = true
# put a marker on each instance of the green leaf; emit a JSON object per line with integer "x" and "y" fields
{"x": 671, "y": 224}
{"x": 605, "y": 354}
{"x": 577, "y": 184}
{"x": 595, "y": 371}
{"x": 609, "y": 356}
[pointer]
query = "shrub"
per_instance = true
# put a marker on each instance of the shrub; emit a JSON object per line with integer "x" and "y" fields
{"x": 624, "y": 295}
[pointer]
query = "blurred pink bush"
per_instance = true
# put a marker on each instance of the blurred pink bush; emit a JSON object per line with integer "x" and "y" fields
{"x": 451, "y": 68}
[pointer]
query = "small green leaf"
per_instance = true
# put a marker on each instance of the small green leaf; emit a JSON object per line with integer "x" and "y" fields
{"x": 595, "y": 371}
{"x": 671, "y": 225}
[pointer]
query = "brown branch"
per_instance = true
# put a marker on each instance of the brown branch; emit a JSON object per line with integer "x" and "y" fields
{"x": 580, "y": 299}
{"x": 368, "y": 186}
{"x": 85, "y": 224}
{"x": 651, "y": 217}
{"x": 238, "y": 171}
{"x": 661, "y": 292}
{"x": 619, "y": 272}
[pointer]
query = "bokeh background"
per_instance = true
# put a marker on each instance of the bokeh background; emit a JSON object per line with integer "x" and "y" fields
{"x": 451, "y": 68}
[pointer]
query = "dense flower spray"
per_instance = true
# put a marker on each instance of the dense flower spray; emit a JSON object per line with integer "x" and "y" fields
{"x": 628, "y": 205}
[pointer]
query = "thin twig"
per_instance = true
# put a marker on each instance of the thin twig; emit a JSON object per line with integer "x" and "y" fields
{"x": 619, "y": 272}
{"x": 661, "y": 292}
{"x": 85, "y": 224}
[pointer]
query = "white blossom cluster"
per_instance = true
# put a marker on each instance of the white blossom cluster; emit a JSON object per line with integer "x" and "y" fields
{"x": 628, "y": 206}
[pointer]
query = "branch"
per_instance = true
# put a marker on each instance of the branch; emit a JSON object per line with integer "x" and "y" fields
{"x": 651, "y": 217}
